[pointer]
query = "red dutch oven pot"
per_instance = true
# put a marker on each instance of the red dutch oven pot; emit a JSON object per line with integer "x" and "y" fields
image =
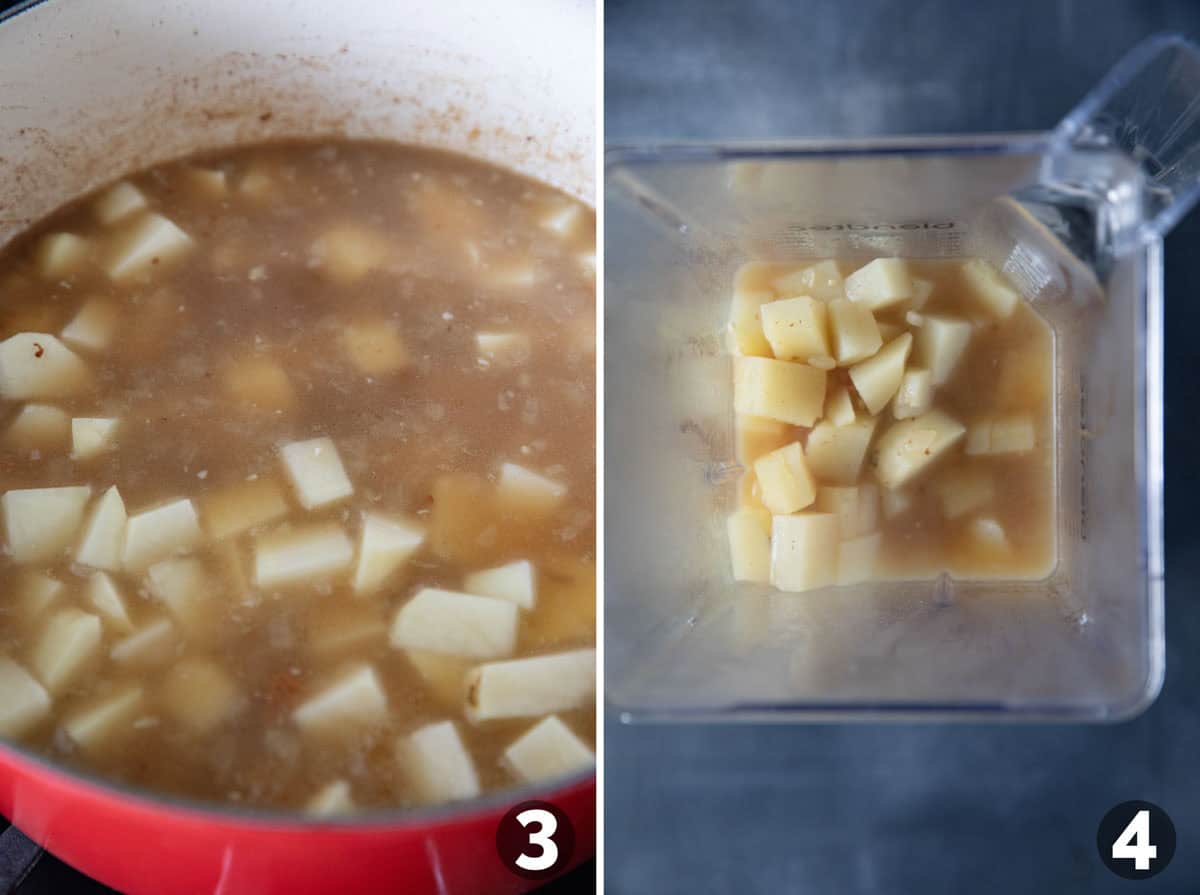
{"x": 92, "y": 90}
{"x": 144, "y": 845}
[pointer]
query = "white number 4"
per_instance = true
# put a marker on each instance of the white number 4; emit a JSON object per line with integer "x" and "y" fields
{"x": 1134, "y": 842}
{"x": 547, "y": 825}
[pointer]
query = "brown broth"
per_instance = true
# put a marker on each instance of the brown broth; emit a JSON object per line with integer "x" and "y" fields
{"x": 256, "y": 286}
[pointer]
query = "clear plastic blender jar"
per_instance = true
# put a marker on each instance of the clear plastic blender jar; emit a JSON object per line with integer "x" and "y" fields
{"x": 1075, "y": 219}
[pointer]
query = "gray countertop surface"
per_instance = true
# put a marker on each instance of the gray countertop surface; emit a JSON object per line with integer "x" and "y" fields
{"x": 906, "y": 808}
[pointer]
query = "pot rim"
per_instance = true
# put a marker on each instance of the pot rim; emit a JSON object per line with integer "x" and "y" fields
{"x": 145, "y": 799}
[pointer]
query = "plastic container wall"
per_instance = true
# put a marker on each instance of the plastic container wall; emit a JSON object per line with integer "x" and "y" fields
{"x": 684, "y": 639}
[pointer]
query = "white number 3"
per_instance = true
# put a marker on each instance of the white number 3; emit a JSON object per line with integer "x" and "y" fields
{"x": 1134, "y": 842}
{"x": 541, "y": 837}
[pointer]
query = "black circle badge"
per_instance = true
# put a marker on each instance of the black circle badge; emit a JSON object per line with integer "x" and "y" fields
{"x": 535, "y": 840}
{"x": 1136, "y": 840}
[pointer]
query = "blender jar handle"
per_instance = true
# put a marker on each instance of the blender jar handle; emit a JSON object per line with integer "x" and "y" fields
{"x": 1148, "y": 106}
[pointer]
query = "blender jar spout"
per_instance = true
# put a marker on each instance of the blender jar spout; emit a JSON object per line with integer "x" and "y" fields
{"x": 1147, "y": 112}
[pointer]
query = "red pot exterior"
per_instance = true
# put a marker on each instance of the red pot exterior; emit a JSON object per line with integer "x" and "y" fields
{"x": 142, "y": 847}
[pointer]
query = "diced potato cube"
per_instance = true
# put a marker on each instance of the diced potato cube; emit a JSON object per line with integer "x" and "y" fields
{"x": 567, "y": 605}
{"x": 856, "y": 508}
{"x": 188, "y": 591}
{"x": 333, "y": 799}
{"x": 233, "y": 565}
{"x": 119, "y": 201}
{"x": 104, "y": 533}
{"x": 42, "y": 522}
{"x": 895, "y": 503}
{"x": 526, "y": 490}
{"x": 515, "y": 582}
{"x": 835, "y": 454}
{"x": 562, "y": 219}
{"x": 473, "y": 524}
{"x": 750, "y": 544}
{"x": 910, "y": 447}
{"x": 386, "y": 545}
{"x": 921, "y": 289}
{"x": 520, "y": 688}
{"x": 855, "y": 332}
{"x": 745, "y": 323}
{"x": 26, "y": 702}
{"x": 104, "y": 597}
{"x": 964, "y": 491}
{"x": 295, "y": 555}
{"x": 437, "y": 765}
{"x": 154, "y": 534}
{"x": 256, "y": 183}
{"x": 446, "y": 676}
{"x": 316, "y": 472}
{"x": 443, "y": 621}
{"x": 503, "y": 349}
{"x": 200, "y": 695}
{"x": 822, "y": 281}
{"x": 878, "y": 378}
{"x": 990, "y": 289}
{"x": 444, "y": 210}
{"x": 93, "y": 327}
{"x": 1012, "y": 435}
{"x": 341, "y": 628}
{"x": 989, "y": 533}
{"x": 979, "y": 438}
{"x": 797, "y": 328}
{"x": 207, "y": 182}
{"x": 103, "y": 723}
{"x": 38, "y": 367}
{"x": 804, "y": 551}
{"x": 68, "y": 647}
{"x": 375, "y": 348}
{"x": 1004, "y": 435}
{"x": 839, "y": 408}
{"x": 915, "y": 395}
{"x": 92, "y": 436}
{"x": 788, "y": 392}
{"x": 757, "y": 435}
{"x": 856, "y": 559}
{"x": 61, "y": 254}
{"x": 36, "y": 592}
{"x": 152, "y": 644}
{"x": 940, "y": 344}
{"x": 354, "y": 700}
{"x": 348, "y": 252}
{"x": 784, "y": 479}
{"x": 889, "y": 330}
{"x": 1024, "y": 379}
{"x": 38, "y": 427}
{"x": 241, "y": 507}
{"x": 513, "y": 276}
{"x": 465, "y": 518}
{"x": 259, "y": 383}
{"x": 151, "y": 241}
{"x": 880, "y": 284}
{"x": 547, "y": 750}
